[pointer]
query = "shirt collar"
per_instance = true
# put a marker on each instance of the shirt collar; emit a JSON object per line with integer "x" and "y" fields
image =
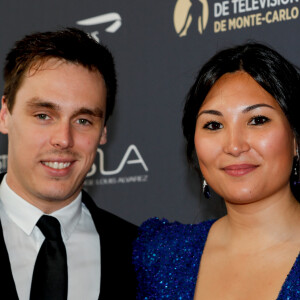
{"x": 26, "y": 215}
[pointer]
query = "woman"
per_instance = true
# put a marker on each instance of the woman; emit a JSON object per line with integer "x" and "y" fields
{"x": 241, "y": 124}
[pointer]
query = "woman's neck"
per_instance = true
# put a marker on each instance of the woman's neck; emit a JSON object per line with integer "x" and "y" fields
{"x": 262, "y": 224}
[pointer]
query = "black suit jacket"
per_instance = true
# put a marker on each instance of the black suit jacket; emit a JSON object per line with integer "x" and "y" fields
{"x": 117, "y": 274}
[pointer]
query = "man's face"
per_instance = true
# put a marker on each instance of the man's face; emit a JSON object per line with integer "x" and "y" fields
{"x": 53, "y": 130}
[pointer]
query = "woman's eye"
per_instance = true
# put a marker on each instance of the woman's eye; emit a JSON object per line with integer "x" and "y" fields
{"x": 259, "y": 120}
{"x": 213, "y": 125}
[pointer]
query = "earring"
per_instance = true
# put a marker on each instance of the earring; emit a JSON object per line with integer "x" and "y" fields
{"x": 296, "y": 167}
{"x": 206, "y": 190}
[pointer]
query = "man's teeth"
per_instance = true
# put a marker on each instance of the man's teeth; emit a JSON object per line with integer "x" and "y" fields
{"x": 57, "y": 165}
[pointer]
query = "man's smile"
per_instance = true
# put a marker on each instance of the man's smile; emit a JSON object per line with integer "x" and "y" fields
{"x": 56, "y": 165}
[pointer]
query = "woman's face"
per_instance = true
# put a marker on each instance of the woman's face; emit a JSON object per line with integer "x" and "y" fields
{"x": 244, "y": 143}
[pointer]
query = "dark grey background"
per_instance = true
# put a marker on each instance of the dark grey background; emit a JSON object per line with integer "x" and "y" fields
{"x": 155, "y": 70}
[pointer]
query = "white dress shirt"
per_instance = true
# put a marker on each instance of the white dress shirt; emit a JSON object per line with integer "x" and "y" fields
{"x": 23, "y": 240}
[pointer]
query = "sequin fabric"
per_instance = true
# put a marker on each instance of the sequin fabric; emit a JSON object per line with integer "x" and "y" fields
{"x": 291, "y": 287}
{"x": 167, "y": 258}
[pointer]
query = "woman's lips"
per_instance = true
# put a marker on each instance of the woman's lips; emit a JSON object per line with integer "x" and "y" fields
{"x": 239, "y": 170}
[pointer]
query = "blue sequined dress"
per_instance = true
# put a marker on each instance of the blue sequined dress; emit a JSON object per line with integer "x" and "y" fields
{"x": 167, "y": 258}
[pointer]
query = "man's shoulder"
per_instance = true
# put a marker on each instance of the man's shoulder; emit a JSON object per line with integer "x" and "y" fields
{"x": 108, "y": 219}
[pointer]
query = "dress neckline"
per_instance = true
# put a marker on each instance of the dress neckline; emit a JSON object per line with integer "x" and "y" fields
{"x": 295, "y": 269}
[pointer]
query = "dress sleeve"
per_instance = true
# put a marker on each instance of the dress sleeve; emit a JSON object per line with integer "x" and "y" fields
{"x": 146, "y": 257}
{"x": 167, "y": 257}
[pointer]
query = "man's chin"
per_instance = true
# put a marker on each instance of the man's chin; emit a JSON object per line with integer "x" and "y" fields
{"x": 58, "y": 196}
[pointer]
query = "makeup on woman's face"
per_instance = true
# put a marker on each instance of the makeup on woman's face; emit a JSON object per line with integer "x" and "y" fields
{"x": 244, "y": 142}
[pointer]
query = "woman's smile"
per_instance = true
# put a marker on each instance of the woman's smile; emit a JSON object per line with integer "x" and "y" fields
{"x": 243, "y": 140}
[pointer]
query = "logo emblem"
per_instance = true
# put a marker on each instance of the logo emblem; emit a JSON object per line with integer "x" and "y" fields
{"x": 114, "y": 20}
{"x": 190, "y": 16}
{"x": 131, "y": 150}
{"x": 132, "y": 156}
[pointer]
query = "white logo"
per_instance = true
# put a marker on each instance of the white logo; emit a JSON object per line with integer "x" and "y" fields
{"x": 125, "y": 161}
{"x": 102, "y": 19}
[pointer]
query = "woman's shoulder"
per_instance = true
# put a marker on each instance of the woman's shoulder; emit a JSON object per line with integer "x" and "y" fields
{"x": 159, "y": 235}
{"x": 166, "y": 253}
{"x": 155, "y": 227}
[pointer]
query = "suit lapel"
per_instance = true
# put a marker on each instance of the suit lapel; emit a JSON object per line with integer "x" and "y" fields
{"x": 98, "y": 221}
{"x": 116, "y": 238}
{"x": 8, "y": 287}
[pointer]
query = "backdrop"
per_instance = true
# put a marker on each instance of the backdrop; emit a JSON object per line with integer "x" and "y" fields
{"x": 158, "y": 46}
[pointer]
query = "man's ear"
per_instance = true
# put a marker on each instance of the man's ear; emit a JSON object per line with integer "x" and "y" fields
{"x": 4, "y": 113}
{"x": 103, "y": 138}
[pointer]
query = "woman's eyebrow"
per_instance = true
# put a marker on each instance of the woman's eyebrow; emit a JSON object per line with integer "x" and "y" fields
{"x": 249, "y": 108}
{"x": 210, "y": 112}
{"x": 245, "y": 110}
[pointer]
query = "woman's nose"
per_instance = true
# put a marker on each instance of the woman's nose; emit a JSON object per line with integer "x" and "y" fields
{"x": 236, "y": 142}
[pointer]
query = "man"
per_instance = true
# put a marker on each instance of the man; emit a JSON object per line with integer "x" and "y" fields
{"x": 59, "y": 92}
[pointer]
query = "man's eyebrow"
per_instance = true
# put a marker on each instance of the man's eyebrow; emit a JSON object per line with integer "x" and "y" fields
{"x": 249, "y": 108}
{"x": 36, "y": 103}
{"x": 39, "y": 103}
{"x": 97, "y": 112}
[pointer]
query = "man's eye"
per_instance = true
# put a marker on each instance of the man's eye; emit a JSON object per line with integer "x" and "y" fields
{"x": 212, "y": 125}
{"x": 259, "y": 120}
{"x": 42, "y": 117}
{"x": 83, "y": 122}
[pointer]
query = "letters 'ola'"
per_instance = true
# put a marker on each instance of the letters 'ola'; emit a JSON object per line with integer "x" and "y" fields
{"x": 132, "y": 149}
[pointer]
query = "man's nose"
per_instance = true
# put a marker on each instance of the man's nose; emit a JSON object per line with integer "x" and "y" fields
{"x": 62, "y": 137}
